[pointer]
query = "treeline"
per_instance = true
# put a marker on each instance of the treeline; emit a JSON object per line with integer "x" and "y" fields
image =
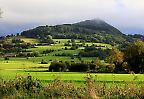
{"x": 67, "y": 66}
{"x": 92, "y": 51}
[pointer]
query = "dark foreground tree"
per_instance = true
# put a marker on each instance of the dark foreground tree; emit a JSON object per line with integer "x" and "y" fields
{"x": 134, "y": 55}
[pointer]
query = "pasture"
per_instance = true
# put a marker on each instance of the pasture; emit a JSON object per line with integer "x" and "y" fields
{"x": 23, "y": 66}
{"x": 19, "y": 66}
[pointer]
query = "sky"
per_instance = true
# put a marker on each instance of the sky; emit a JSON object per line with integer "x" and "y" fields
{"x": 20, "y": 15}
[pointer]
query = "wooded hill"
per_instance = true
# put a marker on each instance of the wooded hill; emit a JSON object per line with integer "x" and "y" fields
{"x": 90, "y": 30}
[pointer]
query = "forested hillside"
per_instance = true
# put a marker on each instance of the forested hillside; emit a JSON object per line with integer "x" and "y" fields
{"x": 89, "y": 30}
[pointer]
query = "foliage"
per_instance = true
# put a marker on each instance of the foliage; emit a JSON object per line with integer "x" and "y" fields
{"x": 6, "y": 58}
{"x": 57, "y": 67}
{"x": 17, "y": 40}
{"x": 92, "y": 51}
{"x": 116, "y": 57}
{"x": 46, "y": 39}
{"x": 43, "y": 62}
{"x": 47, "y": 51}
{"x": 60, "y": 89}
{"x": 79, "y": 67}
{"x": 19, "y": 86}
{"x": 82, "y": 66}
{"x": 104, "y": 68}
{"x": 134, "y": 55}
{"x": 13, "y": 46}
{"x": 33, "y": 54}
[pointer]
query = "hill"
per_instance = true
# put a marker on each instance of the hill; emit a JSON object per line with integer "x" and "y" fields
{"x": 90, "y": 30}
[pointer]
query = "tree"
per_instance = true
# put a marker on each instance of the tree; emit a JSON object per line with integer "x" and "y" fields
{"x": 102, "y": 67}
{"x": 134, "y": 55}
{"x": 6, "y": 58}
{"x": 17, "y": 40}
{"x": 56, "y": 66}
{"x": 79, "y": 67}
{"x": 47, "y": 39}
{"x": 117, "y": 58}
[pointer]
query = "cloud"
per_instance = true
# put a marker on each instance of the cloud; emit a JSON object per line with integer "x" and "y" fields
{"x": 120, "y": 13}
{"x": 41, "y": 10}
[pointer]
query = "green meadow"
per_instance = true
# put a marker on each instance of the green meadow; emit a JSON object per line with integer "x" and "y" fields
{"x": 20, "y": 66}
{"x": 32, "y": 65}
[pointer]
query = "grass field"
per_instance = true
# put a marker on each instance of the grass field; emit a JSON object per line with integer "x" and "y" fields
{"x": 74, "y": 77}
{"x": 23, "y": 66}
{"x": 19, "y": 66}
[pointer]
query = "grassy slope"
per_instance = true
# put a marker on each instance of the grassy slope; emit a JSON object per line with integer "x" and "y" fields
{"x": 26, "y": 40}
{"x": 30, "y": 40}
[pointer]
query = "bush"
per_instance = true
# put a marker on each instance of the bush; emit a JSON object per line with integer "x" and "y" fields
{"x": 57, "y": 67}
{"x": 43, "y": 62}
{"x": 6, "y": 58}
{"x": 17, "y": 40}
{"x": 19, "y": 87}
{"x": 74, "y": 47}
{"x": 79, "y": 67}
{"x": 61, "y": 90}
{"x": 33, "y": 54}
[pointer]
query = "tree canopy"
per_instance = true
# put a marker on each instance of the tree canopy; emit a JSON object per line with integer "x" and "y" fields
{"x": 134, "y": 55}
{"x": 117, "y": 58}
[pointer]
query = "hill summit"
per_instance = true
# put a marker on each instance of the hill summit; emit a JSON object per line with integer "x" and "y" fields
{"x": 98, "y": 25}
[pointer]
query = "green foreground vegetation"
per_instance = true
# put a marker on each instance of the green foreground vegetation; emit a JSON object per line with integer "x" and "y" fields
{"x": 26, "y": 87}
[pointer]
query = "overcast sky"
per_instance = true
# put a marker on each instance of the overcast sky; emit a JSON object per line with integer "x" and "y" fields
{"x": 126, "y": 15}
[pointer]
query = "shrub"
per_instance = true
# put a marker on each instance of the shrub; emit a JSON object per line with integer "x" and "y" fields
{"x": 43, "y": 62}
{"x": 20, "y": 87}
{"x": 57, "y": 67}
{"x": 6, "y": 58}
{"x": 17, "y": 40}
{"x": 59, "y": 89}
{"x": 33, "y": 54}
{"x": 79, "y": 67}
